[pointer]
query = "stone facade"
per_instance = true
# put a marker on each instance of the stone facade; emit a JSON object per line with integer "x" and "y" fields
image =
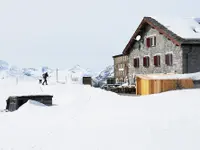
{"x": 163, "y": 46}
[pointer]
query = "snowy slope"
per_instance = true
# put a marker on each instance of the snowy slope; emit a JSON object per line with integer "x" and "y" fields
{"x": 85, "y": 118}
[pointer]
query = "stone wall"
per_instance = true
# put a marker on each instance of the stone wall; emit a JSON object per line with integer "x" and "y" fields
{"x": 163, "y": 46}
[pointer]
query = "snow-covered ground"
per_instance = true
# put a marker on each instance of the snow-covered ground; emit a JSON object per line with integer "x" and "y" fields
{"x": 86, "y": 118}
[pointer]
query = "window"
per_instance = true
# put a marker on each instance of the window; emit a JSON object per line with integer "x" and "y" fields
{"x": 168, "y": 59}
{"x": 136, "y": 62}
{"x": 146, "y": 61}
{"x": 151, "y": 41}
{"x": 157, "y": 61}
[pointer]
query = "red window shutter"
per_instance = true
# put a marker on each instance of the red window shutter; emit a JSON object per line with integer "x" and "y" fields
{"x": 155, "y": 60}
{"x": 144, "y": 61}
{"x": 148, "y": 42}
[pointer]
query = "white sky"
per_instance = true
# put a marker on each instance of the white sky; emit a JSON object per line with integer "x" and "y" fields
{"x": 63, "y": 33}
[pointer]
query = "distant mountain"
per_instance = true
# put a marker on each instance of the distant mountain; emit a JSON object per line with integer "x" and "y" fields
{"x": 84, "y": 72}
{"x": 104, "y": 75}
{"x": 74, "y": 74}
{"x": 3, "y": 65}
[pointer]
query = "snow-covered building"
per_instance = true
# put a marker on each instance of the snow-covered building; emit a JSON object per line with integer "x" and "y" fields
{"x": 164, "y": 45}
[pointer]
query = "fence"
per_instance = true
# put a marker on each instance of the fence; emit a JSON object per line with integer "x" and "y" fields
{"x": 146, "y": 85}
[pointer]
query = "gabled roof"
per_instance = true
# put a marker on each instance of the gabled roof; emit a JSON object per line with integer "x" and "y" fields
{"x": 189, "y": 37}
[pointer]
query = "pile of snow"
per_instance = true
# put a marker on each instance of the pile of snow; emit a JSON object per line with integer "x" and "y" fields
{"x": 87, "y": 118}
{"x": 187, "y": 28}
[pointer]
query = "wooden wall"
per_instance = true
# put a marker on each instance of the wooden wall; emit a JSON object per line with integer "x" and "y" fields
{"x": 145, "y": 86}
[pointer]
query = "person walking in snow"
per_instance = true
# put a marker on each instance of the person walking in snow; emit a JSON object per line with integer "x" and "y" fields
{"x": 45, "y": 75}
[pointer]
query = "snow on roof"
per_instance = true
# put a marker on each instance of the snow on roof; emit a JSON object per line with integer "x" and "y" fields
{"x": 193, "y": 76}
{"x": 187, "y": 28}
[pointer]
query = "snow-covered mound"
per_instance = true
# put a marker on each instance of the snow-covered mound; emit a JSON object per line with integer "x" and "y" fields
{"x": 31, "y": 105}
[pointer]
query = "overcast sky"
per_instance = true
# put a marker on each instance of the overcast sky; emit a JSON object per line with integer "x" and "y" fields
{"x": 64, "y": 33}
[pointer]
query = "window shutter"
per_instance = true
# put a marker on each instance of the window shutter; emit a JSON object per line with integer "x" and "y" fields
{"x": 144, "y": 61}
{"x": 171, "y": 59}
{"x": 158, "y": 60}
{"x": 167, "y": 59}
{"x": 154, "y": 41}
{"x": 138, "y": 62}
{"x": 148, "y": 42}
{"x": 147, "y": 61}
{"x": 155, "y": 60}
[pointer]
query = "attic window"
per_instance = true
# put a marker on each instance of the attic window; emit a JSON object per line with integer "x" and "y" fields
{"x": 151, "y": 41}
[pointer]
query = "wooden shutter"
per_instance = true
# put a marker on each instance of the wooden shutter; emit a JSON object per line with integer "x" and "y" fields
{"x": 158, "y": 60}
{"x": 138, "y": 62}
{"x": 167, "y": 59}
{"x": 171, "y": 59}
{"x": 154, "y": 40}
{"x": 155, "y": 60}
{"x": 148, "y": 42}
{"x": 144, "y": 61}
{"x": 147, "y": 61}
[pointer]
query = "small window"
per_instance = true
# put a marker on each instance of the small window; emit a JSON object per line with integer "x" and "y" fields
{"x": 157, "y": 61}
{"x": 146, "y": 61}
{"x": 136, "y": 62}
{"x": 151, "y": 41}
{"x": 169, "y": 59}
